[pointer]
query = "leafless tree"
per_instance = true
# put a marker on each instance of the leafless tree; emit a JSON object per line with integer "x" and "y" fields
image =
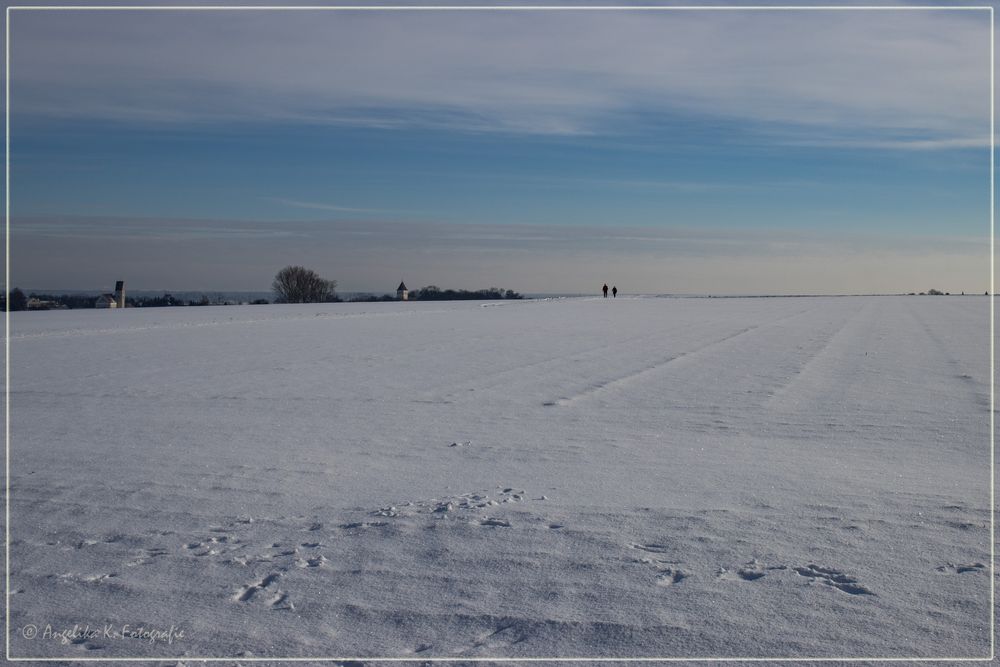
{"x": 297, "y": 284}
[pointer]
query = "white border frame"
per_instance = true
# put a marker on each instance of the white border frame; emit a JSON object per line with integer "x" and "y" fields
{"x": 651, "y": 8}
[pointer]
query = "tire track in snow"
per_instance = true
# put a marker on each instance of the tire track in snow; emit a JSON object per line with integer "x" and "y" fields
{"x": 979, "y": 393}
{"x": 809, "y": 368}
{"x": 497, "y": 377}
{"x": 630, "y": 377}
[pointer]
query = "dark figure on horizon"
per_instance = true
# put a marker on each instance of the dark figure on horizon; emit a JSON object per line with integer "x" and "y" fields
{"x": 605, "y": 288}
{"x": 614, "y": 292}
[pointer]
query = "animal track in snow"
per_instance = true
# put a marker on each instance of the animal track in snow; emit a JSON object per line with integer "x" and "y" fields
{"x": 667, "y": 572}
{"x": 670, "y": 576}
{"x": 147, "y": 556}
{"x": 248, "y": 592}
{"x": 495, "y": 522}
{"x": 951, "y": 568}
{"x": 281, "y": 601}
{"x": 363, "y": 524}
{"x": 508, "y": 634}
{"x": 750, "y": 571}
{"x": 312, "y": 561}
{"x": 441, "y": 508}
{"x": 213, "y": 546}
{"x": 834, "y": 578}
{"x": 741, "y": 574}
{"x": 86, "y": 643}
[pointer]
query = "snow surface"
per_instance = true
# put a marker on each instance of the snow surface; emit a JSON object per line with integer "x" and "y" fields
{"x": 800, "y": 477}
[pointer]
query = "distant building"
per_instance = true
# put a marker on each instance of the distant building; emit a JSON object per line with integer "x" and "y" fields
{"x": 402, "y": 294}
{"x": 116, "y": 300}
{"x": 120, "y": 293}
{"x": 44, "y": 304}
{"x": 106, "y": 301}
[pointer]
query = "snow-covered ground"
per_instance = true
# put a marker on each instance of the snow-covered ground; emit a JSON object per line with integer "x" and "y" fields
{"x": 580, "y": 477}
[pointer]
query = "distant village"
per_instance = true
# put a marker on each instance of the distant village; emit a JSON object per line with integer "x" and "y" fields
{"x": 118, "y": 299}
{"x": 292, "y": 284}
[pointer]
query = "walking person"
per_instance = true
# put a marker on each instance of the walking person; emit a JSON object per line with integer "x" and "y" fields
{"x": 614, "y": 292}
{"x": 605, "y": 288}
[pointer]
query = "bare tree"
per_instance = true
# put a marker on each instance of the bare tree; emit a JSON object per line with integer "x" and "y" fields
{"x": 297, "y": 284}
{"x": 17, "y": 300}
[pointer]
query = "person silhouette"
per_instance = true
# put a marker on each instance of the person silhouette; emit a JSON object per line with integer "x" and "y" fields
{"x": 605, "y": 288}
{"x": 614, "y": 292}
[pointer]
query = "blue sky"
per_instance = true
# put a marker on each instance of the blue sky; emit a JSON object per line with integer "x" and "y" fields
{"x": 667, "y": 152}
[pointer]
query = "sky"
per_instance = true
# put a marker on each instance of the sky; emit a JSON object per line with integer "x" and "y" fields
{"x": 674, "y": 151}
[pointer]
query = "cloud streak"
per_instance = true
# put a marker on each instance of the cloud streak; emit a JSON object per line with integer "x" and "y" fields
{"x": 319, "y": 206}
{"x": 924, "y": 74}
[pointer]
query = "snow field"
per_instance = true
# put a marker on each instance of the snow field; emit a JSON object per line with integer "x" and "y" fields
{"x": 578, "y": 477}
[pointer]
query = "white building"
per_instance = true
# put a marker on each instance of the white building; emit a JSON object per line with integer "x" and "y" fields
{"x": 106, "y": 301}
{"x": 116, "y": 300}
{"x": 402, "y": 294}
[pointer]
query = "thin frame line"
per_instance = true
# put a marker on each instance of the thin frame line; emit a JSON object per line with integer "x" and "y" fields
{"x": 6, "y": 366}
{"x": 497, "y": 8}
{"x": 993, "y": 587}
{"x": 454, "y": 659}
{"x": 494, "y": 7}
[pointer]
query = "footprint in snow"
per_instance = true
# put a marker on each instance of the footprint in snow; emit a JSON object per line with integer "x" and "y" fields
{"x": 441, "y": 507}
{"x": 750, "y": 571}
{"x": 87, "y": 644}
{"x": 276, "y": 599}
{"x": 312, "y": 561}
{"x": 951, "y": 568}
{"x": 363, "y": 524}
{"x": 495, "y": 522}
{"x": 741, "y": 574}
{"x": 667, "y": 572}
{"x": 670, "y": 576}
{"x": 147, "y": 556}
{"x": 830, "y": 577}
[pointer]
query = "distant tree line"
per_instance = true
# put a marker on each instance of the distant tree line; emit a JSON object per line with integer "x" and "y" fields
{"x": 42, "y": 301}
{"x": 435, "y": 293}
{"x": 371, "y": 298}
{"x": 19, "y": 301}
{"x": 293, "y": 284}
{"x": 934, "y": 292}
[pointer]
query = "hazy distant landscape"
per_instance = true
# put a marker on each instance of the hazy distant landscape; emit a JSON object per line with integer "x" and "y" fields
{"x": 75, "y": 299}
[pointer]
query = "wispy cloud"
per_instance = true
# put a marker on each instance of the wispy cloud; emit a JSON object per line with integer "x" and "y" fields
{"x": 319, "y": 206}
{"x": 549, "y": 73}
